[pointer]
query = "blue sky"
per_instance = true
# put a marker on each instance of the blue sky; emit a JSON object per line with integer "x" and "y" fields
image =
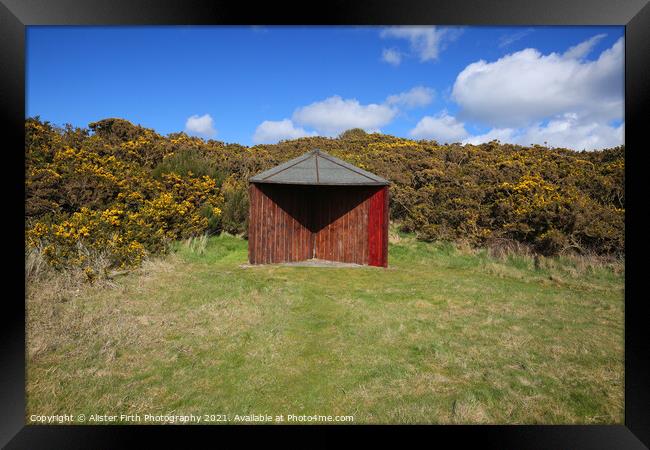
{"x": 560, "y": 85}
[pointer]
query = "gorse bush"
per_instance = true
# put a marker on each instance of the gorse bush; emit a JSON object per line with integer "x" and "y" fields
{"x": 235, "y": 206}
{"x": 190, "y": 162}
{"x": 100, "y": 200}
{"x": 124, "y": 191}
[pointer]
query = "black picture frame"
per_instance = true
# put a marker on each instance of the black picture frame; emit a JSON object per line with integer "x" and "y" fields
{"x": 15, "y": 15}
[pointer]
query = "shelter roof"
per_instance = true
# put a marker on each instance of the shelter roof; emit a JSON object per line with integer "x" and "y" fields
{"x": 318, "y": 168}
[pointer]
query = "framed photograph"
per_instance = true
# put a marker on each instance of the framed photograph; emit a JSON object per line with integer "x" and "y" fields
{"x": 419, "y": 216}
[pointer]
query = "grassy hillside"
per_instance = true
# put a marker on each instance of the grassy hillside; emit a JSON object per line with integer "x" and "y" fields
{"x": 103, "y": 198}
{"x": 445, "y": 335}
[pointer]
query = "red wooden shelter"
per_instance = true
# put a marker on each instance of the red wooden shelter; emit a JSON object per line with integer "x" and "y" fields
{"x": 317, "y": 206}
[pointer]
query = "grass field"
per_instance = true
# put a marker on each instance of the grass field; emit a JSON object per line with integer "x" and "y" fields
{"x": 444, "y": 335}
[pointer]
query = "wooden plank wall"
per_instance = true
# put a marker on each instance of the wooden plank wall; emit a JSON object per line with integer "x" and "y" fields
{"x": 385, "y": 231}
{"x": 294, "y": 223}
{"x": 278, "y": 225}
{"x": 341, "y": 224}
{"x": 378, "y": 228}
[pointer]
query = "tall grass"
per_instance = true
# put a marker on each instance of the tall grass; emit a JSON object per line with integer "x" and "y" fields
{"x": 196, "y": 244}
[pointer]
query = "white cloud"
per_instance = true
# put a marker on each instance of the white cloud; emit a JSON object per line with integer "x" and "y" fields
{"x": 567, "y": 132}
{"x": 425, "y": 41}
{"x": 582, "y": 49}
{"x": 270, "y": 132}
{"x": 501, "y": 134}
{"x": 561, "y": 100}
{"x": 416, "y": 97}
{"x": 441, "y": 127}
{"x": 202, "y": 125}
{"x": 335, "y": 114}
{"x": 507, "y": 39}
{"x": 523, "y": 88}
{"x": 571, "y": 132}
{"x": 391, "y": 56}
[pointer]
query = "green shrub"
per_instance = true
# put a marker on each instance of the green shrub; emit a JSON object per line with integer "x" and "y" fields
{"x": 353, "y": 133}
{"x": 234, "y": 218}
{"x": 214, "y": 220}
{"x": 190, "y": 162}
{"x": 551, "y": 242}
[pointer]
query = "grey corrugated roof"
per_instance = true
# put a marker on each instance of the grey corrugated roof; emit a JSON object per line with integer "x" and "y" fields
{"x": 318, "y": 167}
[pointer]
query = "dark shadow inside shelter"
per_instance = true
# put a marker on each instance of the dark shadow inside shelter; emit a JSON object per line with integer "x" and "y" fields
{"x": 315, "y": 207}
